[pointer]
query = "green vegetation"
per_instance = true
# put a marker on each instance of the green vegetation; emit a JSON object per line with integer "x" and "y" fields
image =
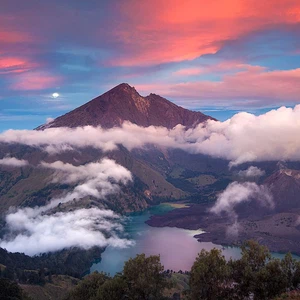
{"x": 142, "y": 278}
{"x": 10, "y": 290}
{"x": 210, "y": 276}
{"x": 38, "y": 269}
{"x": 254, "y": 276}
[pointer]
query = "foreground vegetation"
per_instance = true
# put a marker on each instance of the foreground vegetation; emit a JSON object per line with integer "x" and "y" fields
{"x": 256, "y": 275}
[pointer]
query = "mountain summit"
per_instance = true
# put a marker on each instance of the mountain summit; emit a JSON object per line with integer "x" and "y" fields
{"x": 124, "y": 103}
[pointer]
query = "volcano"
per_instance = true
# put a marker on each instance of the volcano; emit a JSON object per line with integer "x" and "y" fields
{"x": 124, "y": 103}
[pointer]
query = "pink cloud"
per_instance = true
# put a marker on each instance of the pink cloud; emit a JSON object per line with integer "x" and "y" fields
{"x": 221, "y": 67}
{"x": 188, "y": 72}
{"x": 15, "y": 65}
{"x": 178, "y": 30}
{"x": 35, "y": 80}
{"x": 254, "y": 86}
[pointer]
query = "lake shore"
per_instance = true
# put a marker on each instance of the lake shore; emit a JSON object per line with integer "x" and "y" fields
{"x": 177, "y": 247}
{"x": 279, "y": 232}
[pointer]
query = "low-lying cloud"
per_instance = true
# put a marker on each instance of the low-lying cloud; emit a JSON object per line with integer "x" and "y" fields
{"x": 94, "y": 179}
{"x": 82, "y": 228}
{"x": 252, "y": 172}
{"x": 13, "y": 162}
{"x": 237, "y": 193}
{"x": 243, "y": 138}
{"x": 33, "y": 231}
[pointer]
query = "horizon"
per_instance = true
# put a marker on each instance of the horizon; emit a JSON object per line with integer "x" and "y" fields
{"x": 218, "y": 58}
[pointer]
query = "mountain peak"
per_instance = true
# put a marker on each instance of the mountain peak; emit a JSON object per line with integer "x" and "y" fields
{"x": 124, "y": 103}
{"x": 125, "y": 87}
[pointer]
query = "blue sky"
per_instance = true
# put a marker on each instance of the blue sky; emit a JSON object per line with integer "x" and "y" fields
{"x": 219, "y": 57}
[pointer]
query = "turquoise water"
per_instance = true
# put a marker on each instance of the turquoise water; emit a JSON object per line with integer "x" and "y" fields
{"x": 177, "y": 247}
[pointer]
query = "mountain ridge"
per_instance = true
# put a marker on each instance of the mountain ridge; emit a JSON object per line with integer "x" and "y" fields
{"x": 124, "y": 103}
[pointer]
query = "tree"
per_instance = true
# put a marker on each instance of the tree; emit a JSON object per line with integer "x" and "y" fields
{"x": 112, "y": 289}
{"x": 88, "y": 288}
{"x": 270, "y": 281}
{"x": 291, "y": 269}
{"x": 245, "y": 270}
{"x": 10, "y": 290}
{"x": 144, "y": 277}
{"x": 209, "y": 278}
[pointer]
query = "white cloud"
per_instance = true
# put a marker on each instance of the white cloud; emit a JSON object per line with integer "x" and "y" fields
{"x": 82, "y": 228}
{"x": 252, "y": 172}
{"x": 243, "y": 138}
{"x": 13, "y": 162}
{"x": 49, "y": 120}
{"x": 236, "y": 193}
{"x": 33, "y": 231}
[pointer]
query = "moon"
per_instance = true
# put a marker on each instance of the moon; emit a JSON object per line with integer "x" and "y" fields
{"x": 55, "y": 95}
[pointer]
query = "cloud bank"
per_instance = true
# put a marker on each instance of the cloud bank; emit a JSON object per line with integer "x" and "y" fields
{"x": 33, "y": 231}
{"x": 243, "y": 138}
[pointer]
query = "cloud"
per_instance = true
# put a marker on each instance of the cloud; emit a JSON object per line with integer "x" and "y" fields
{"x": 13, "y": 162}
{"x": 58, "y": 139}
{"x": 94, "y": 179}
{"x": 106, "y": 168}
{"x": 236, "y": 193}
{"x": 14, "y": 65}
{"x": 252, "y": 172}
{"x": 35, "y": 80}
{"x": 243, "y": 86}
{"x": 243, "y": 138}
{"x": 183, "y": 30}
{"x": 188, "y": 72}
{"x": 34, "y": 230}
{"x": 82, "y": 228}
{"x": 49, "y": 120}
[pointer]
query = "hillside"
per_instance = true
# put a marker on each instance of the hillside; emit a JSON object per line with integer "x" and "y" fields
{"x": 285, "y": 187}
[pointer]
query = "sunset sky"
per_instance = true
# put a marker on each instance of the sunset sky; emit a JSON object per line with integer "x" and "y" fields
{"x": 218, "y": 56}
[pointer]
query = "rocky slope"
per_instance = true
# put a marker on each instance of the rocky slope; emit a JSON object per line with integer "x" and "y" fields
{"x": 285, "y": 187}
{"x": 124, "y": 103}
